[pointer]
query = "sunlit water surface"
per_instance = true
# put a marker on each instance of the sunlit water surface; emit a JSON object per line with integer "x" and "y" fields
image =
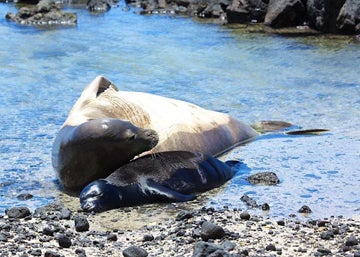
{"x": 313, "y": 82}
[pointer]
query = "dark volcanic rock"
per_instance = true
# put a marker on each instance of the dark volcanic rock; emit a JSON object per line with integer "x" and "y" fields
{"x": 244, "y": 216}
{"x": 135, "y": 251}
{"x": 18, "y": 212}
{"x": 284, "y": 13}
{"x": 305, "y": 209}
{"x": 184, "y": 215}
{"x": 327, "y": 235}
{"x": 243, "y": 11}
{"x": 266, "y": 178}
{"x": 64, "y": 241}
{"x": 52, "y": 254}
{"x": 351, "y": 241}
{"x": 322, "y": 14}
{"x": 98, "y": 6}
{"x": 249, "y": 201}
{"x": 211, "y": 231}
{"x": 81, "y": 223}
{"x": 45, "y": 13}
{"x": 24, "y": 197}
{"x": 348, "y": 20}
{"x": 203, "y": 249}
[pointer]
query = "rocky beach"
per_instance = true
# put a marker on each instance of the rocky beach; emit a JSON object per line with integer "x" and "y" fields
{"x": 313, "y": 16}
{"x": 56, "y": 230}
{"x": 186, "y": 229}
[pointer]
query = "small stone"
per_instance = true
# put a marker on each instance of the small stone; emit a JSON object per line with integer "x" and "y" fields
{"x": 265, "y": 178}
{"x": 81, "y": 223}
{"x": 184, "y": 215}
{"x": 64, "y": 241}
{"x": 65, "y": 214}
{"x": 80, "y": 252}
{"x": 322, "y": 223}
{"x": 18, "y": 212}
{"x": 265, "y": 207}
{"x": 3, "y": 238}
{"x": 52, "y": 254}
{"x": 324, "y": 251}
{"x": 305, "y": 209}
{"x": 135, "y": 251}
{"x": 270, "y": 247}
{"x": 211, "y": 231}
{"x": 202, "y": 249}
{"x": 111, "y": 237}
{"x": 24, "y": 197}
{"x": 281, "y": 222}
{"x": 244, "y": 216}
{"x": 351, "y": 241}
{"x": 148, "y": 237}
{"x": 48, "y": 231}
{"x": 249, "y": 201}
{"x": 327, "y": 235}
{"x": 35, "y": 252}
{"x": 228, "y": 245}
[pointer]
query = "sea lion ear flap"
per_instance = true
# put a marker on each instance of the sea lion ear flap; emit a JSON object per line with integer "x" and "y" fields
{"x": 99, "y": 85}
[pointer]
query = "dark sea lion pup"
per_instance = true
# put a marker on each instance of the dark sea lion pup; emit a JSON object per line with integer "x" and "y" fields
{"x": 96, "y": 148}
{"x": 173, "y": 176}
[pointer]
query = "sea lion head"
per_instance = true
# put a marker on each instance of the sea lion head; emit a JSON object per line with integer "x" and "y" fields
{"x": 96, "y": 148}
{"x": 99, "y": 196}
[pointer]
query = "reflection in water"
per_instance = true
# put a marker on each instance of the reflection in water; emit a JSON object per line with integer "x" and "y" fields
{"x": 312, "y": 82}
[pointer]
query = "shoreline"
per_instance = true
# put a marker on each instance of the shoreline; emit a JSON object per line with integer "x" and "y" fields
{"x": 55, "y": 230}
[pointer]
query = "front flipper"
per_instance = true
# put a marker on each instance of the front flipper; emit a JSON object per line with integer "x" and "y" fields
{"x": 159, "y": 193}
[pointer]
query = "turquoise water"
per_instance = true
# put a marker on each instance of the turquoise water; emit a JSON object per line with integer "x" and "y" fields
{"x": 312, "y": 82}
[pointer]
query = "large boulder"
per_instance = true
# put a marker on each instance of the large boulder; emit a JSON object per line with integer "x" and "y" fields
{"x": 348, "y": 20}
{"x": 46, "y": 12}
{"x": 98, "y": 6}
{"x": 243, "y": 11}
{"x": 285, "y": 13}
{"x": 322, "y": 14}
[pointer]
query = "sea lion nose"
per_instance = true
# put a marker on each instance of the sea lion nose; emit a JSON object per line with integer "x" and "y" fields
{"x": 87, "y": 206}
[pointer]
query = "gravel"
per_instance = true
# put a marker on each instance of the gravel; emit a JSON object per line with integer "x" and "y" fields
{"x": 54, "y": 230}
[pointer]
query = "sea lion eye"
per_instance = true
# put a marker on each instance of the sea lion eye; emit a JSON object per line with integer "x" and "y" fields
{"x": 132, "y": 137}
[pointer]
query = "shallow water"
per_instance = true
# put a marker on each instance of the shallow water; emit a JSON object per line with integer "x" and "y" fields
{"x": 313, "y": 82}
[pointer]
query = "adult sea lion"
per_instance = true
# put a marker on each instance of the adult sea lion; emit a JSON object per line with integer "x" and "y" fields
{"x": 178, "y": 124}
{"x": 164, "y": 177}
{"x": 96, "y": 148}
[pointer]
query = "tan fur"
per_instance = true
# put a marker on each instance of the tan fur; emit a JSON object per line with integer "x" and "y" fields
{"x": 180, "y": 125}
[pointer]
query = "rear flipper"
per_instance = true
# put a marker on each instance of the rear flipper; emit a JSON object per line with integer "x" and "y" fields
{"x": 159, "y": 193}
{"x": 233, "y": 163}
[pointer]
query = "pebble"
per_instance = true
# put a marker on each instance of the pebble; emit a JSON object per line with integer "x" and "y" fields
{"x": 52, "y": 254}
{"x": 81, "y": 223}
{"x": 265, "y": 178}
{"x": 50, "y": 235}
{"x": 64, "y": 241}
{"x": 244, "y": 216}
{"x": 270, "y": 247}
{"x": 148, "y": 237}
{"x": 111, "y": 237}
{"x": 18, "y": 212}
{"x": 24, "y": 197}
{"x": 203, "y": 249}
{"x": 327, "y": 235}
{"x": 351, "y": 241}
{"x": 184, "y": 215}
{"x": 135, "y": 251}
{"x": 305, "y": 209}
{"x": 211, "y": 231}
